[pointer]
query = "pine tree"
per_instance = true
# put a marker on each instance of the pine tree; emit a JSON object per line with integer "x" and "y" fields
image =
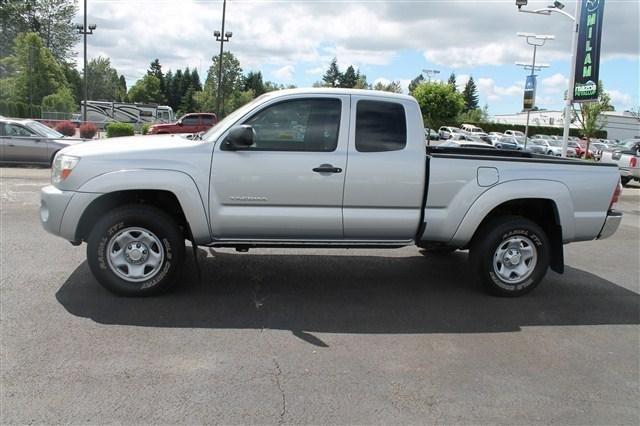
{"x": 470, "y": 95}
{"x": 333, "y": 75}
{"x": 416, "y": 82}
{"x": 195, "y": 80}
{"x": 452, "y": 81}
{"x": 253, "y": 81}
{"x": 168, "y": 86}
{"x": 155, "y": 69}
{"x": 349, "y": 78}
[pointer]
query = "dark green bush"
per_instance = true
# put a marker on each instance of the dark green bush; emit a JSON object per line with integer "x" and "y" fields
{"x": 115, "y": 130}
{"x": 19, "y": 109}
{"x": 145, "y": 128}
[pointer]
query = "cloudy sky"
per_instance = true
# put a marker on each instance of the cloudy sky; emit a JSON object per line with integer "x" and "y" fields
{"x": 292, "y": 41}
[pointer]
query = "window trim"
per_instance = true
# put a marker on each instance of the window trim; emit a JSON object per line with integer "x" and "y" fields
{"x": 355, "y": 126}
{"x": 269, "y": 105}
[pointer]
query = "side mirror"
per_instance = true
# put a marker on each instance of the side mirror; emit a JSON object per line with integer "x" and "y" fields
{"x": 239, "y": 137}
{"x": 180, "y": 123}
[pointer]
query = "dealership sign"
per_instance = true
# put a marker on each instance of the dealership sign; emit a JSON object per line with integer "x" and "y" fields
{"x": 530, "y": 93}
{"x": 585, "y": 87}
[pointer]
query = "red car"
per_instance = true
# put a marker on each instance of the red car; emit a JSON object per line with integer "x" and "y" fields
{"x": 188, "y": 123}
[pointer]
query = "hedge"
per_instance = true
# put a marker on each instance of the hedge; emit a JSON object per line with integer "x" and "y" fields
{"x": 534, "y": 130}
{"x": 19, "y": 109}
{"x": 115, "y": 130}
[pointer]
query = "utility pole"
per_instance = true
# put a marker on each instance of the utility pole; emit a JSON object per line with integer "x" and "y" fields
{"x": 429, "y": 73}
{"x": 222, "y": 37}
{"x": 85, "y": 30}
{"x": 535, "y": 40}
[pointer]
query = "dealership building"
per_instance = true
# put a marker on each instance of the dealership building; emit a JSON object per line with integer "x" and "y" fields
{"x": 618, "y": 125}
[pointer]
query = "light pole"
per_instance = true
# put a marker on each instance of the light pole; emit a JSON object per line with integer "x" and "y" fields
{"x": 557, "y": 8}
{"x": 535, "y": 40}
{"x": 85, "y": 30}
{"x": 222, "y": 37}
{"x": 429, "y": 73}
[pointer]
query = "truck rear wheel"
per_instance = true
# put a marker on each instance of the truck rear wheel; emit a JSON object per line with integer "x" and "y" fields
{"x": 135, "y": 250}
{"x": 510, "y": 256}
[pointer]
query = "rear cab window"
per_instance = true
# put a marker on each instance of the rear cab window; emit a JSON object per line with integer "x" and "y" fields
{"x": 381, "y": 126}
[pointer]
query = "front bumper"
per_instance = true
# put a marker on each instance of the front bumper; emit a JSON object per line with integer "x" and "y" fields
{"x": 611, "y": 224}
{"x": 53, "y": 203}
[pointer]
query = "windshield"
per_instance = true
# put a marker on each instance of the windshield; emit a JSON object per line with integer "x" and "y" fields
{"x": 628, "y": 144}
{"x": 209, "y": 135}
{"x": 43, "y": 130}
{"x": 554, "y": 142}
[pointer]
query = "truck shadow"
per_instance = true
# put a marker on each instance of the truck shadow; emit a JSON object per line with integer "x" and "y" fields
{"x": 351, "y": 294}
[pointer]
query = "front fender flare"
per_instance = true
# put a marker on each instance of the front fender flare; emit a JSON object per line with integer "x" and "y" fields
{"x": 179, "y": 183}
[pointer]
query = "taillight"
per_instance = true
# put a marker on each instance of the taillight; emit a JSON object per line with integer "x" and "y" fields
{"x": 633, "y": 162}
{"x": 616, "y": 195}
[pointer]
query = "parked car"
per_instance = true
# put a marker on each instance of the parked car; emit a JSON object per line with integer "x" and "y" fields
{"x": 535, "y": 148}
{"x": 554, "y": 147}
{"x": 430, "y": 134}
{"x": 447, "y": 131}
{"x": 246, "y": 187}
{"x": 470, "y": 128}
{"x": 495, "y": 136}
{"x": 508, "y": 142}
{"x": 188, "y": 123}
{"x": 627, "y": 158}
{"x": 29, "y": 142}
{"x": 514, "y": 133}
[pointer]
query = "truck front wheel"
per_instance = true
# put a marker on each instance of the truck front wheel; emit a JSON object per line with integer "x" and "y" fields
{"x": 135, "y": 250}
{"x": 510, "y": 256}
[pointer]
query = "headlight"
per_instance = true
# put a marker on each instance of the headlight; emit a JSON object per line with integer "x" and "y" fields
{"x": 62, "y": 166}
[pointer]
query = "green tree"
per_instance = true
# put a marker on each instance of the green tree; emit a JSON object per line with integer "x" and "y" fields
{"x": 33, "y": 72}
{"x": 188, "y": 102}
{"x": 61, "y": 101}
{"x": 415, "y": 83}
{"x": 452, "y": 81}
{"x": 103, "y": 80}
{"x": 147, "y": 90}
{"x": 155, "y": 69}
{"x": 121, "y": 91}
{"x": 231, "y": 81}
{"x": 333, "y": 75}
{"x": 470, "y": 95}
{"x": 177, "y": 90}
{"x": 195, "y": 80}
{"x": 361, "y": 82}
{"x": 349, "y": 79}
{"x": 589, "y": 114}
{"x": 74, "y": 81}
{"x": 393, "y": 87}
{"x": 440, "y": 104}
{"x": 253, "y": 81}
{"x": 50, "y": 19}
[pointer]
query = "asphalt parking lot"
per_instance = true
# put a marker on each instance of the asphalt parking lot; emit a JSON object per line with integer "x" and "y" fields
{"x": 314, "y": 336}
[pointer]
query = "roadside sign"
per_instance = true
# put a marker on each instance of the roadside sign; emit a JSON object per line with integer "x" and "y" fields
{"x": 585, "y": 87}
{"x": 530, "y": 93}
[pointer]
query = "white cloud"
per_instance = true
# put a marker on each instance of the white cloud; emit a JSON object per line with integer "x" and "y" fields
{"x": 492, "y": 92}
{"x": 556, "y": 83}
{"x": 285, "y": 74}
{"x": 621, "y": 100}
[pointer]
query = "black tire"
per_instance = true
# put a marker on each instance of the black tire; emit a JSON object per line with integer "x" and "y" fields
{"x": 493, "y": 238}
{"x": 128, "y": 220}
{"x": 625, "y": 180}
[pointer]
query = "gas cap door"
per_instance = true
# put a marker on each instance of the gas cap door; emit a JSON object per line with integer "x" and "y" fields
{"x": 488, "y": 176}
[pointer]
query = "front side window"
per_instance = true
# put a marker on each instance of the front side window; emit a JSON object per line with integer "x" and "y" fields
{"x": 380, "y": 126}
{"x": 191, "y": 120}
{"x": 297, "y": 125}
{"x": 15, "y": 130}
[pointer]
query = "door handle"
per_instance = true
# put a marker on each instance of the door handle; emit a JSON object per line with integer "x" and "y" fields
{"x": 327, "y": 168}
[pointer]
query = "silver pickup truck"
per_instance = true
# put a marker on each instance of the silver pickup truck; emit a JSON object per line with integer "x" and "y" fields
{"x": 322, "y": 168}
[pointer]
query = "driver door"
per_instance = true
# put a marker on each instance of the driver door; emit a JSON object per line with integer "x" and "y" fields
{"x": 289, "y": 184}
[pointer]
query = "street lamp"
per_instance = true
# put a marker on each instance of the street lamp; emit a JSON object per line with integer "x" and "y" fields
{"x": 557, "y": 8}
{"x": 222, "y": 37}
{"x": 429, "y": 73}
{"x": 535, "y": 40}
{"x": 85, "y": 30}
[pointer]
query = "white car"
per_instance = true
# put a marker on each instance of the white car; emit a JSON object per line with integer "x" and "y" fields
{"x": 447, "y": 131}
{"x": 471, "y": 128}
{"x": 554, "y": 147}
{"x": 516, "y": 133}
{"x": 465, "y": 144}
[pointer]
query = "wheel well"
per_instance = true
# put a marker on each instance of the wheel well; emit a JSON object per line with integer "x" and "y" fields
{"x": 164, "y": 200}
{"x": 544, "y": 213}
